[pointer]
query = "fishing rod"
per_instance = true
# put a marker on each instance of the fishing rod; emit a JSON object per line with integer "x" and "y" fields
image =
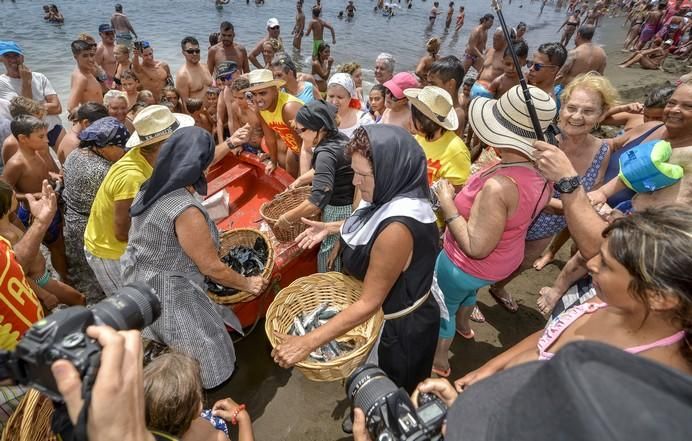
{"x": 522, "y": 81}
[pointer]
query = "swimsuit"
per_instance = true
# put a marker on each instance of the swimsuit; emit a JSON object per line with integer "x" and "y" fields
{"x": 307, "y": 94}
{"x": 480, "y": 88}
{"x": 473, "y": 58}
{"x": 316, "y": 45}
{"x": 648, "y": 31}
{"x": 555, "y": 328}
{"x": 54, "y": 229}
{"x": 547, "y": 224}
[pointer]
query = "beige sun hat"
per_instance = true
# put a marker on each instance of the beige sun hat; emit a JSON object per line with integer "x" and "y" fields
{"x": 261, "y": 79}
{"x": 156, "y": 123}
{"x": 505, "y": 123}
{"x": 435, "y": 103}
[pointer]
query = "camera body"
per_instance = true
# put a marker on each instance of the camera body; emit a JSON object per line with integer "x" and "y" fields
{"x": 389, "y": 412}
{"x": 62, "y": 335}
{"x": 138, "y": 46}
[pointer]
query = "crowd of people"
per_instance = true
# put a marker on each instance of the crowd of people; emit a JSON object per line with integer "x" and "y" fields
{"x": 430, "y": 185}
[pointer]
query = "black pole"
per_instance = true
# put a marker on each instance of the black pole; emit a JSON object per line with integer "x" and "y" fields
{"x": 522, "y": 81}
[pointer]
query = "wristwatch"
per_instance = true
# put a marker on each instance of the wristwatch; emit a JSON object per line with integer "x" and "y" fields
{"x": 567, "y": 185}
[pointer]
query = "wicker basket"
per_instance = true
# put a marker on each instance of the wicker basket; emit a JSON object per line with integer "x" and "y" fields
{"x": 282, "y": 203}
{"x": 243, "y": 237}
{"x": 304, "y": 295}
{"x": 31, "y": 421}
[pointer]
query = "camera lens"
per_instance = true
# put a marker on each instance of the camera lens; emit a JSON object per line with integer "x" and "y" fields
{"x": 368, "y": 385}
{"x": 135, "y": 306}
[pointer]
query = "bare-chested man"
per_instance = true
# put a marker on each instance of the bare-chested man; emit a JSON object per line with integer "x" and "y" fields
{"x": 227, "y": 50}
{"x": 546, "y": 63}
{"x": 153, "y": 75}
{"x": 273, "y": 31}
{"x": 298, "y": 28}
{"x": 492, "y": 64}
{"x": 317, "y": 26}
{"x": 651, "y": 58}
{"x": 475, "y": 48}
{"x": 83, "y": 84}
{"x": 193, "y": 78}
{"x": 584, "y": 58}
{"x": 105, "y": 52}
{"x": 123, "y": 29}
{"x": 227, "y": 72}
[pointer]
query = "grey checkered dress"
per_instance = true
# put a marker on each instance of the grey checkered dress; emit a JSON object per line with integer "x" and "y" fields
{"x": 189, "y": 321}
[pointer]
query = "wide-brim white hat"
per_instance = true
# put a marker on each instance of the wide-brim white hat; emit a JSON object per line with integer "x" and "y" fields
{"x": 505, "y": 122}
{"x": 156, "y": 123}
{"x": 262, "y": 79}
{"x": 436, "y": 104}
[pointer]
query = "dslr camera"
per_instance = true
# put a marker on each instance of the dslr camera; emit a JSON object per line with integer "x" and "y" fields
{"x": 62, "y": 335}
{"x": 389, "y": 412}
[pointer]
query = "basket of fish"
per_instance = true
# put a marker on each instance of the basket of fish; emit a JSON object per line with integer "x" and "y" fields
{"x": 249, "y": 253}
{"x": 310, "y": 302}
{"x": 283, "y": 202}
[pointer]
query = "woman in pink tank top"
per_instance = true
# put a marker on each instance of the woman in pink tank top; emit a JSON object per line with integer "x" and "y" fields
{"x": 643, "y": 279}
{"x": 488, "y": 220}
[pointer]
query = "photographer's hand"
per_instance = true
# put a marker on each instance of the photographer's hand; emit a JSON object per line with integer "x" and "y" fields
{"x": 442, "y": 388}
{"x": 360, "y": 432}
{"x": 116, "y": 411}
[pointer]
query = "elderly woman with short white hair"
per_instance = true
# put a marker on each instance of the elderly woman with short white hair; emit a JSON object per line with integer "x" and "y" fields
{"x": 341, "y": 92}
{"x": 118, "y": 106}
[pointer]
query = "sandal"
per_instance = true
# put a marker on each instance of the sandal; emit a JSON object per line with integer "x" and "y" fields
{"x": 441, "y": 373}
{"x": 509, "y": 304}
{"x": 469, "y": 336}
{"x": 477, "y": 316}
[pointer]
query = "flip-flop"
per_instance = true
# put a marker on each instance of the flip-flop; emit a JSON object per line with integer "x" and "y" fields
{"x": 477, "y": 316}
{"x": 468, "y": 336}
{"x": 441, "y": 373}
{"x": 509, "y": 304}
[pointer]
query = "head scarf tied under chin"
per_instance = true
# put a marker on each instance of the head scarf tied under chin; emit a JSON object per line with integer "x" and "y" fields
{"x": 316, "y": 115}
{"x": 181, "y": 162}
{"x": 401, "y": 183}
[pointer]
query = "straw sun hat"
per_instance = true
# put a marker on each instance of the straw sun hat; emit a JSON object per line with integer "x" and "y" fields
{"x": 435, "y": 103}
{"x": 505, "y": 122}
{"x": 262, "y": 79}
{"x": 156, "y": 123}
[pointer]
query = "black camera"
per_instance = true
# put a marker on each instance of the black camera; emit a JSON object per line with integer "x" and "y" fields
{"x": 62, "y": 335}
{"x": 138, "y": 45}
{"x": 389, "y": 412}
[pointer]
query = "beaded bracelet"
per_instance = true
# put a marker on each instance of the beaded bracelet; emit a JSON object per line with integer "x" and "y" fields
{"x": 234, "y": 417}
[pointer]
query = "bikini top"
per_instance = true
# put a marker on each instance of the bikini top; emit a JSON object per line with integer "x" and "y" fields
{"x": 563, "y": 321}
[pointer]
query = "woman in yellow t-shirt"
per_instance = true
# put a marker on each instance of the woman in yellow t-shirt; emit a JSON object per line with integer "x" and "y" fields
{"x": 434, "y": 119}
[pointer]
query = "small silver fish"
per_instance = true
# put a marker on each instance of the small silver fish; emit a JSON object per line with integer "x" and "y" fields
{"x": 311, "y": 317}
{"x": 298, "y": 328}
{"x": 317, "y": 355}
{"x": 328, "y": 313}
{"x": 328, "y": 353}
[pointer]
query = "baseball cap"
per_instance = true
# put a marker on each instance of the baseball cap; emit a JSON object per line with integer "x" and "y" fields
{"x": 7, "y": 46}
{"x": 105, "y": 28}
{"x": 272, "y": 23}
{"x": 401, "y": 82}
{"x": 226, "y": 68}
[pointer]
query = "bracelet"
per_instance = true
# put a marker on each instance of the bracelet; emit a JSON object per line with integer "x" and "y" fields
{"x": 229, "y": 144}
{"x": 234, "y": 417}
{"x": 451, "y": 219}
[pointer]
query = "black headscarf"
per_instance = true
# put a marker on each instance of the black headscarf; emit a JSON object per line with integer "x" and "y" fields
{"x": 181, "y": 162}
{"x": 399, "y": 167}
{"x": 318, "y": 114}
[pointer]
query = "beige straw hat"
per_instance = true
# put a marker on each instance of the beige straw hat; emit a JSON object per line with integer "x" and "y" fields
{"x": 435, "y": 103}
{"x": 505, "y": 122}
{"x": 262, "y": 79}
{"x": 156, "y": 123}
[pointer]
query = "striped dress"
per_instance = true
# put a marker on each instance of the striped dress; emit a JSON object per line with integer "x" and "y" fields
{"x": 189, "y": 321}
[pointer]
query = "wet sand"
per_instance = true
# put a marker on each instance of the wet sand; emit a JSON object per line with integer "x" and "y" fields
{"x": 286, "y": 406}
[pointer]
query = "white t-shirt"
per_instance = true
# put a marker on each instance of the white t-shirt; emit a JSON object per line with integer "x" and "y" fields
{"x": 40, "y": 89}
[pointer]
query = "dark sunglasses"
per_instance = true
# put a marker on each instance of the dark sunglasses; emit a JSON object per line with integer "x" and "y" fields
{"x": 192, "y": 51}
{"x": 228, "y": 77}
{"x": 538, "y": 66}
{"x": 391, "y": 96}
{"x": 301, "y": 130}
{"x": 275, "y": 27}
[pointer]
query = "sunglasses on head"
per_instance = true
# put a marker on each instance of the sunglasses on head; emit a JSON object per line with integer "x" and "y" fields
{"x": 192, "y": 51}
{"x": 538, "y": 66}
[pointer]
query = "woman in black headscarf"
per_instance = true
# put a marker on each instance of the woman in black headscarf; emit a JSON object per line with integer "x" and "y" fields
{"x": 390, "y": 242}
{"x": 173, "y": 245}
{"x": 330, "y": 175}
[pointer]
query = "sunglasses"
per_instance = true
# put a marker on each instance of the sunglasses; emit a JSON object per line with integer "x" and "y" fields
{"x": 192, "y": 51}
{"x": 227, "y": 77}
{"x": 538, "y": 66}
{"x": 301, "y": 130}
{"x": 275, "y": 28}
{"x": 391, "y": 96}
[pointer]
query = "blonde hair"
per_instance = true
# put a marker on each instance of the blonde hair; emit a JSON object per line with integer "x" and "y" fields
{"x": 594, "y": 82}
{"x": 172, "y": 393}
{"x": 433, "y": 45}
{"x": 122, "y": 48}
{"x": 349, "y": 68}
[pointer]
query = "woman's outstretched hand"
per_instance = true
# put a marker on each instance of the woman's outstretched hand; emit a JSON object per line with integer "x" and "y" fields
{"x": 314, "y": 235}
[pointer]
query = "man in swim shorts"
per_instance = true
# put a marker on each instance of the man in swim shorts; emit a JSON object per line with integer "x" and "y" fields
{"x": 317, "y": 26}
{"x": 123, "y": 29}
{"x": 475, "y": 48}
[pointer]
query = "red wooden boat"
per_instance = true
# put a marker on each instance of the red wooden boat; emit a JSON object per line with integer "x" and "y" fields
{"x": 248, "y": 188}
